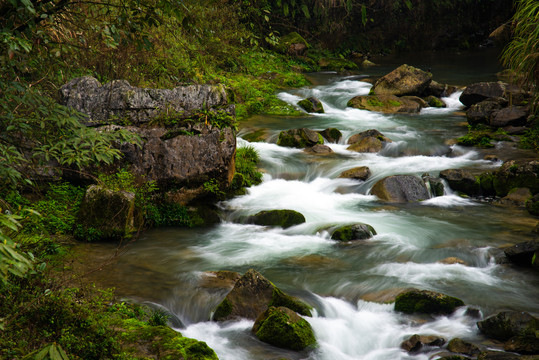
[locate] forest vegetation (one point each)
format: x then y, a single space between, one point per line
163 44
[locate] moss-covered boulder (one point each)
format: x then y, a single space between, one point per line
387 104
353 232
404 80
500 355
299 138
282 327
358 173
253 294
105 215
283 218
508 324
332 135
140 340
401 189
312 105
426 302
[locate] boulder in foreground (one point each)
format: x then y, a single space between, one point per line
284 328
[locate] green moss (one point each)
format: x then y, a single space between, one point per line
285 329
278 298
476 138
394 103
223 310
306 105
375 102
426 302
433 101
486 184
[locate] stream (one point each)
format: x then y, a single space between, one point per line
347 284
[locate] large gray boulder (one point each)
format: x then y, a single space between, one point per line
461 180
404 80
119 100
184 159
401 189
509 116
478 92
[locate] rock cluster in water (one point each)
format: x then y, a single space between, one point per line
276 313
404 90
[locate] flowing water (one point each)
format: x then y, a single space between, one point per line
347 284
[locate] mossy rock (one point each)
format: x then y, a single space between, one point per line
312 105
283 218
523 345
299 138
433 101
282 327
358 173
252 294
140 340
353 232
426 302
404 80
332 135
508 324
105 215
401 189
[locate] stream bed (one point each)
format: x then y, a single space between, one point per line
347 284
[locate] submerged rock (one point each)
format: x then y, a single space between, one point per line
404 80
517 197
282 218
508 324
105 215
252 294
358 173
282 327
426 302
299 138
401 189
312 105
499 355
353 232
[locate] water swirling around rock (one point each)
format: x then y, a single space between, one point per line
342 281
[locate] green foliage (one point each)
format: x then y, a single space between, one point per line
57 210
475 137
247 159
49 352
212 186
162 213
158 317
522 53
